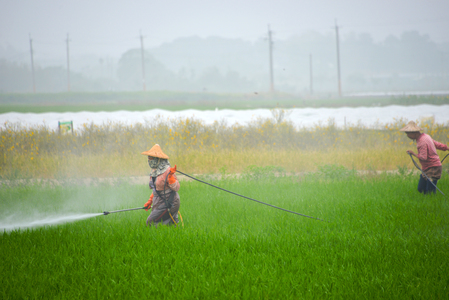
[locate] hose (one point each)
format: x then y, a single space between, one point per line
422 172
444 158
293 212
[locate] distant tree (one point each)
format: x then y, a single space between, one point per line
410 53
15 77
129 72
210 79
358 53
233 82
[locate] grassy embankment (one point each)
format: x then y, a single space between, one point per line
141 101
381 240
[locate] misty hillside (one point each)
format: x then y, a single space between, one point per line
303 65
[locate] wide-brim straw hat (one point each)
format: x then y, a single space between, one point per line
411 127
155 151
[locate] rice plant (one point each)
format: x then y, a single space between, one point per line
380 239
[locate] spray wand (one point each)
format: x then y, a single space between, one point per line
116 211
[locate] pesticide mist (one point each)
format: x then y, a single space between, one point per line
33 206
11 224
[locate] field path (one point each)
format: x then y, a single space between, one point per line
143 180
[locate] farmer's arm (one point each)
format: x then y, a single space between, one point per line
149 202
422 152
440 146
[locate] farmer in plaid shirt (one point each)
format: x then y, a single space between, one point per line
164 201
427 155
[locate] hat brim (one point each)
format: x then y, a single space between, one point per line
411 127
408 129
155 151
152 154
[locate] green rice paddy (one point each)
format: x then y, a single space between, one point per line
381 239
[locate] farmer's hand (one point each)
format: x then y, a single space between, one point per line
171 175
149 202
173 170
411 152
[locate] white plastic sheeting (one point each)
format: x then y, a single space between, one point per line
300 117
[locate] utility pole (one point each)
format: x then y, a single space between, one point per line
270 47
443 65
32 64
338 60
311 75
143 61
68 64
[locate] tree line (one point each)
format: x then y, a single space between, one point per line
302 64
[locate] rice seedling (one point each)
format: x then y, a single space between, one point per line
381 239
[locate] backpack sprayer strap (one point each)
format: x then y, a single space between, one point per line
168 200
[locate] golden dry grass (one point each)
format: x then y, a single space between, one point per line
114 149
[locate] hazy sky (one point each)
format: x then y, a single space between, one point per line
110 27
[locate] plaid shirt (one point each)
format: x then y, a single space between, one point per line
427 153
160 186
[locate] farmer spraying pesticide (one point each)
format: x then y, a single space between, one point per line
431 166
164 201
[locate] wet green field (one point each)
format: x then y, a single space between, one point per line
381 239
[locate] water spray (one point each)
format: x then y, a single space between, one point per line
55 220
10 225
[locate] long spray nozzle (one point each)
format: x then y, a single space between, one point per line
116 211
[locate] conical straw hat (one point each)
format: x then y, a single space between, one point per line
411 127
155 151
